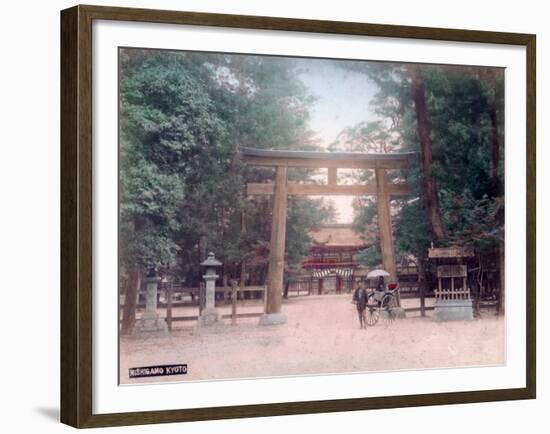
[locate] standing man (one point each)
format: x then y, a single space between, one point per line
360 297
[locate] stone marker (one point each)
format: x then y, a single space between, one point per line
151 321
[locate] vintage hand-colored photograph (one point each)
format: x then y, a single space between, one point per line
283 216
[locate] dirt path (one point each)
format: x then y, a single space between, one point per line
321 336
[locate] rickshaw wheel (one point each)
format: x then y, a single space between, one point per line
371 315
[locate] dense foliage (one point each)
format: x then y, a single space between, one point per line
183 115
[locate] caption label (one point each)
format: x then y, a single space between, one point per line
158 371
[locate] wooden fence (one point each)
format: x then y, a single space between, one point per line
171 296
453 294
233 291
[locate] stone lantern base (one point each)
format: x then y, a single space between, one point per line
272 319
453 310
210 317
150 322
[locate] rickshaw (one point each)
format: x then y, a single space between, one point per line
381 303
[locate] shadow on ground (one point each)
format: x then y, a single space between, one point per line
49 413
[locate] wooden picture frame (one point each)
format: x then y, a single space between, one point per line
76 215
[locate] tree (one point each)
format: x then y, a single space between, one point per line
453 117
429 186
169 138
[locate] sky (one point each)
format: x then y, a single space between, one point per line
342 100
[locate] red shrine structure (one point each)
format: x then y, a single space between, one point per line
332 263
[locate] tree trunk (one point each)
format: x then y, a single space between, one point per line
502 295
203 248
490 78
130 300
495 150
429 186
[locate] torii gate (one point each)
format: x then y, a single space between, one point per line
332 161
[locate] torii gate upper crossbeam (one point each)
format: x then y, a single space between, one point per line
314 159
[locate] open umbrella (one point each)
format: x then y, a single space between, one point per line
377 273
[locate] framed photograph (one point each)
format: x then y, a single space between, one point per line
267 216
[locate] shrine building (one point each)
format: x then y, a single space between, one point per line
332 260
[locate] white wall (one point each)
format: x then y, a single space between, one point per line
29 213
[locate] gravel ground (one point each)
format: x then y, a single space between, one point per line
322 335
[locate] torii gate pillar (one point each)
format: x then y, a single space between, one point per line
384 223
275 274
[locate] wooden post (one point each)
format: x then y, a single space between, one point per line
332 176
242 278
168 295
234 292
277 247
338 284
421 290
421 280
384 223
287 286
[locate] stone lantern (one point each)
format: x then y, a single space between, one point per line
209 315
